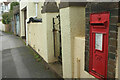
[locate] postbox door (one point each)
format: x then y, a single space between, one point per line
99 32
99 53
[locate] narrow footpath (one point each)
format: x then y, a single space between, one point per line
18 60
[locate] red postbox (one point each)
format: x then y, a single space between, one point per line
99 32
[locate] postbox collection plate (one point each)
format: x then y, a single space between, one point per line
99 32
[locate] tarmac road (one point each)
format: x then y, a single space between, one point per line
18 60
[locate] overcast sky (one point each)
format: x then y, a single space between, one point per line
2 0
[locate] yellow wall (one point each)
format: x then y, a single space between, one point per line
66 40
40 36
79 58
32 10
118 70
72 25
37 39
49 27
22 6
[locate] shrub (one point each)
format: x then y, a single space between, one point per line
6 18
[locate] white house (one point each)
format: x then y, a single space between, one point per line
4 7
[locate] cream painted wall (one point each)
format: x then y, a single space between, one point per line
50 44
72 25
31 12
22 32
66 43
79 58
37 39
118 73
22 6
32 9
40 37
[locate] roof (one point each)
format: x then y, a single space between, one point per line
6 3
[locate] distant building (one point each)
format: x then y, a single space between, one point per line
13 0
4 7
0 12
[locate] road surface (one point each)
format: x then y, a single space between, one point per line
18 60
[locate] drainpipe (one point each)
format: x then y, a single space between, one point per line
36 7
36 4
27 32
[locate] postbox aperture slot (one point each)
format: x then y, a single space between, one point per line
97 24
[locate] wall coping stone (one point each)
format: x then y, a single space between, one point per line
49 7
69 4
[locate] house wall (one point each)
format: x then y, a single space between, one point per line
22 6
31 12
72 25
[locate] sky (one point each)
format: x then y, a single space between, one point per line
2 0
5 0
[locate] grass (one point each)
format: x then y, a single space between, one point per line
36 55
22 40
8 32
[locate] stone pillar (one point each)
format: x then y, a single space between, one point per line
49 11
72 24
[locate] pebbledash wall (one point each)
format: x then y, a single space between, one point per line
113 8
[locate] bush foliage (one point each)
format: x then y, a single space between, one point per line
7 16
13 4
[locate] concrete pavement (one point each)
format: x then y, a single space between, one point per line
18 60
